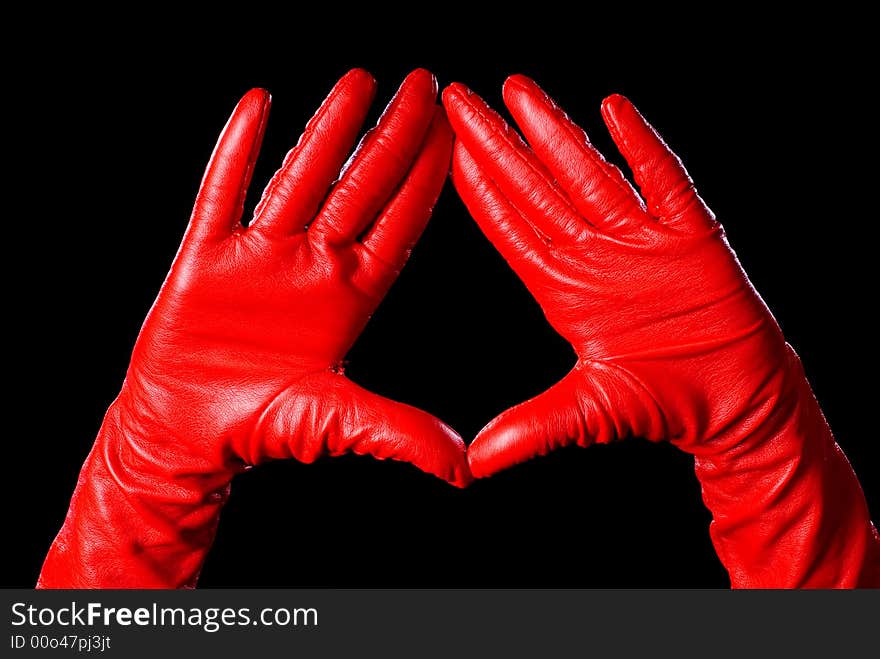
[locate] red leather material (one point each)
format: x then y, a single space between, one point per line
672 341
240 359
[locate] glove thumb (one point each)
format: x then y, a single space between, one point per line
329 414
592 404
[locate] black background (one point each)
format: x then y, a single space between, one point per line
108 140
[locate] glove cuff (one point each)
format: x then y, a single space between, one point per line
139 517
787 508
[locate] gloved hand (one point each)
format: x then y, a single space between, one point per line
672 341
240 359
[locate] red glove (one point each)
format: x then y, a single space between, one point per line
240 359
672 340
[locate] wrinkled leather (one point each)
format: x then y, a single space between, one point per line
672 341
240 358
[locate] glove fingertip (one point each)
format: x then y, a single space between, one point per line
256 96
612 106
358 74
482 455
478 467
519 83
455 93
462 476
422 74
422 82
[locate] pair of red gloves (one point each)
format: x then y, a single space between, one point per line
240 359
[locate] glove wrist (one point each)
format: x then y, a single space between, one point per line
141 515
787 509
